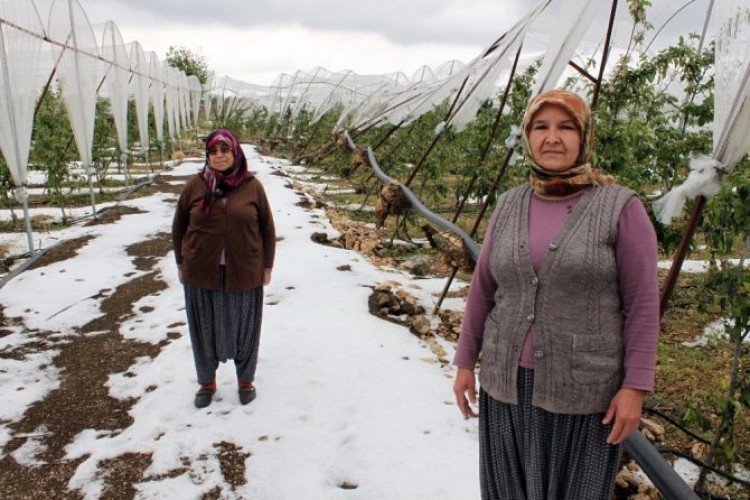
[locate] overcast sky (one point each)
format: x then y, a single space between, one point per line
256 40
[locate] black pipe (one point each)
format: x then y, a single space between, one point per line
667 481
471 246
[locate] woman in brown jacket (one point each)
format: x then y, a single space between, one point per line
224 242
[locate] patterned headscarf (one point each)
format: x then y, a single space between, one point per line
580 175
219 184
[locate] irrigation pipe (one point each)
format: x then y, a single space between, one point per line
24 266
471 246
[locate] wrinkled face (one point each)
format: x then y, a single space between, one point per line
554 138
220 157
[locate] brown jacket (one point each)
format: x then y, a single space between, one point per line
243 228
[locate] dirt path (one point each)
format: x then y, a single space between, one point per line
86 359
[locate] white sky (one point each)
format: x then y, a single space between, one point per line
255 41
343 396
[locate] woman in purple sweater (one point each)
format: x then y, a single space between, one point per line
224 242
562 316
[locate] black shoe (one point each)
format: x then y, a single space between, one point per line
203 397
247 394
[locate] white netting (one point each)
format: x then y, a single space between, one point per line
731 111
395 98
170 94
732 66
183 94
61 50
156 93
85 70
559 31
21 73
195 93
482 83
575 18
140 83
117 80
78 72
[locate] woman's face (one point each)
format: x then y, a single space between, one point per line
554 138
220 157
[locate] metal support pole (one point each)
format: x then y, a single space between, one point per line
21 195
680 254
605 55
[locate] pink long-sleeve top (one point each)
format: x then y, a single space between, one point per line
636 253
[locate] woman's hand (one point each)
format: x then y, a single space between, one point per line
266 276
625 409
465 389
179 274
